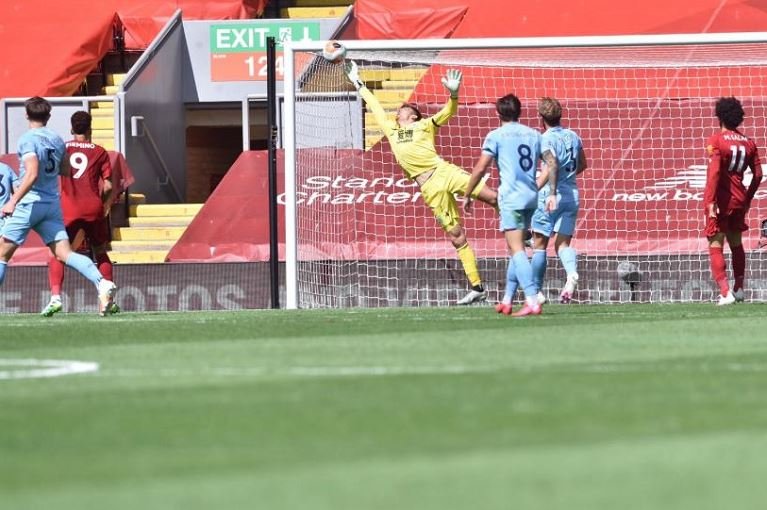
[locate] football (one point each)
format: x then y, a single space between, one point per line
334 52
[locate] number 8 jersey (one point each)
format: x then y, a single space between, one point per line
516 149
81 191
730 154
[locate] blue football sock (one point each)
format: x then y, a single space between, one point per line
539 267
3 266
84 266
525 274
511 283
569 259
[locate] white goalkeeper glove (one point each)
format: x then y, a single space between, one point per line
350 68
452 82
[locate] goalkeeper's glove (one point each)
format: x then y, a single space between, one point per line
350 68
452 82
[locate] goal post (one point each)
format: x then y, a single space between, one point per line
357 233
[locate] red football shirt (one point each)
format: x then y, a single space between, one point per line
81 192
730 154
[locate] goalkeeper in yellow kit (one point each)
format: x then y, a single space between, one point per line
412 141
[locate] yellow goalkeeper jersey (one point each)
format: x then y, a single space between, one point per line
413 145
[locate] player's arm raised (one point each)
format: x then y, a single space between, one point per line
353 74
452 82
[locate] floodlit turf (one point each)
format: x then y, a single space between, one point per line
587 407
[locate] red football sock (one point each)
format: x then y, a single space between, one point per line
55 276
104 265
718 270
738 266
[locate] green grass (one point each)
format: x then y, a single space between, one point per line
587 407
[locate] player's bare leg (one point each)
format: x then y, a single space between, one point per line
85 266
539 262
516 241
734 239
469 263
718 269
569 261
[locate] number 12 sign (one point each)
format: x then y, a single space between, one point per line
238 51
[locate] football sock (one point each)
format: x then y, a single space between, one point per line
55 275
538 264
105 266
3 266
511 283
469 262
738 266
84 266
525 274
718 270
569 258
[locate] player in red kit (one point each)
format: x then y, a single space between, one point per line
85 200
726 199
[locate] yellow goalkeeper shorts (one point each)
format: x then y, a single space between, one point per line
439 193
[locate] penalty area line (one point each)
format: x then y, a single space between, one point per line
43 368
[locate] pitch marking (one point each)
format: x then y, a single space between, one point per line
43 368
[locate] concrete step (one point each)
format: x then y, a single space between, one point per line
138 257
399 84
125 246
393 95
103 123
137 198
165 209
111 90
372 140
102 104
107 143
116 78
372 74
407 73
320 3
147 234
314 12
159 221
103 113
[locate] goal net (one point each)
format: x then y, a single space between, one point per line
359 234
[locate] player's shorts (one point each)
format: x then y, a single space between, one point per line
42 217
733 220
96 232
561 220
439 193
516 219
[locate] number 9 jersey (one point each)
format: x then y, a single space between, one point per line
730 154
81 191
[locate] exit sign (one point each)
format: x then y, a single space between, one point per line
238 50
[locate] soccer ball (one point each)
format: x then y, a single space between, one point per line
334 52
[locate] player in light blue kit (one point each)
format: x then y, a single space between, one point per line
6 187
35 203
567 147
516 150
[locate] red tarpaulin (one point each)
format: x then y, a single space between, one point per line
48 48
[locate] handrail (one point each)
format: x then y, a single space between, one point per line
84 100
148 53
146 132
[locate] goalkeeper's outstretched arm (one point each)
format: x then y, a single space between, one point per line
452 82
372 101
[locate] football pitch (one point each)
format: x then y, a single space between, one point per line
586 407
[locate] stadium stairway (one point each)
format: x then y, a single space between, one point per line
103 112
392 87
306 9
152 231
